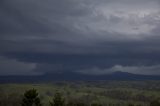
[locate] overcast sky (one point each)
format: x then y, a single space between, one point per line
84 36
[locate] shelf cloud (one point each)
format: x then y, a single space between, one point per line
71 35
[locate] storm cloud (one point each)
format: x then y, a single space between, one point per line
87 36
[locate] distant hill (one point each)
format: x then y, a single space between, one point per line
72 76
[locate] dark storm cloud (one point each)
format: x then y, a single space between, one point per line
79 35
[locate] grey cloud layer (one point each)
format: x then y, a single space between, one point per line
107 32
144 70
14 67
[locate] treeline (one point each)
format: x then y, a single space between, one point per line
32 98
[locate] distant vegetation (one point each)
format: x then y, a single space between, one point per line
103 93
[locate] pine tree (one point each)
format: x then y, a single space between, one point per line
58 100
31 98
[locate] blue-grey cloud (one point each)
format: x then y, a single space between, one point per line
79 34
14 67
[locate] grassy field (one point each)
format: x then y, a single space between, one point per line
104 92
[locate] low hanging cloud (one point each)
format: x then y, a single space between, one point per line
14 67
144 70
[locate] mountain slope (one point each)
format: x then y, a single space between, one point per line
72 76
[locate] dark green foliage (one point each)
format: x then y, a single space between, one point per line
58 100
77 104
138 105
71 104
96 104
130 104
80 104
31 98
155 103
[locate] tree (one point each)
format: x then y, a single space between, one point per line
58 100
31 98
